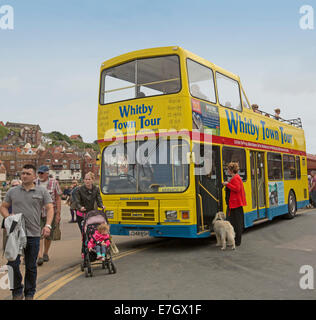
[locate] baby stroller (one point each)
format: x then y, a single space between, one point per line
90 224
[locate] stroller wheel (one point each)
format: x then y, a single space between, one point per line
88 272
113 267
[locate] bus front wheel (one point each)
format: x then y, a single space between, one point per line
291 206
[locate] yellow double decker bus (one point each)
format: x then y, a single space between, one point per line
169 122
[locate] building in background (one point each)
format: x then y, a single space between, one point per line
25 144
30 133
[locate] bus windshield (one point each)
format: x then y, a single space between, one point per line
145 167
140 78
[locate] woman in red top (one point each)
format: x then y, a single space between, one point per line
237 200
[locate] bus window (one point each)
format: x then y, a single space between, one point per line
298 167
228 92
117 86
274 166
289 167
145 167
234 155
201 81
140 78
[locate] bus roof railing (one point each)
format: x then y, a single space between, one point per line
294 122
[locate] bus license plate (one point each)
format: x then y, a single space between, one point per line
138 233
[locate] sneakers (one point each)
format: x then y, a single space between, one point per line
99 257
103 257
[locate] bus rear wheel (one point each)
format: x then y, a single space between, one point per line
291 206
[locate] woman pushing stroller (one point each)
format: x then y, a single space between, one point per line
88 198
100 241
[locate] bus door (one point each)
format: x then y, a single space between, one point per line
258 183
209 191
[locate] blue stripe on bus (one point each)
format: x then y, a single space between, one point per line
302 204
272 212
160 230
190 231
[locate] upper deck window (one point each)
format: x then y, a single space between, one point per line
141 78
201 81
228 92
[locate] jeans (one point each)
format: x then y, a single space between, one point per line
30 257
100 250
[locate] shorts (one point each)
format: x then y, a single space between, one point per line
43 223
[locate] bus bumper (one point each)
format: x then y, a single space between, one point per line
158 231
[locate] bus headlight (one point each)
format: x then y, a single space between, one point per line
171 214
109 214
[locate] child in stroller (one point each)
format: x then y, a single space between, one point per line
100 241
92 221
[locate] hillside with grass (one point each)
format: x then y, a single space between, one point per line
3 132
58 137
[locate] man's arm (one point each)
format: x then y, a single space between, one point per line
49 219
4 209
48 205
6 204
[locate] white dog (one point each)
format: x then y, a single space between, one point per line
223 230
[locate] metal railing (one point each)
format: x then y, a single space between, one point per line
294 122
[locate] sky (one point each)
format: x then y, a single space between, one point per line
50 61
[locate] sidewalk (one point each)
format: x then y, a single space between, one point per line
66 253
63 254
